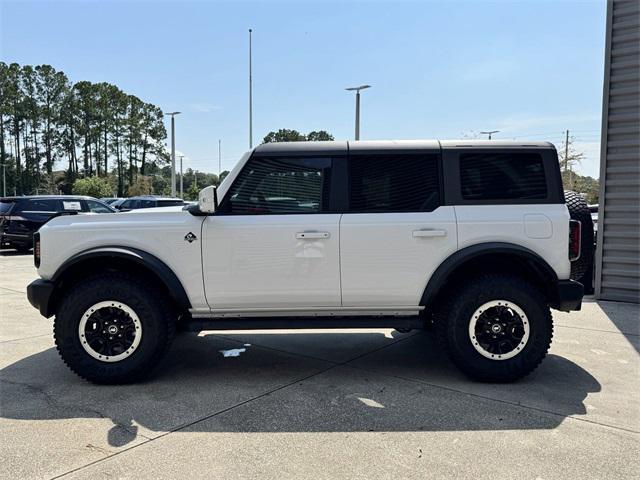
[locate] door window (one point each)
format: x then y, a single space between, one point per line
280 186
393 183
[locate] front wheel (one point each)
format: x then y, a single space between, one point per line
496 328
112 328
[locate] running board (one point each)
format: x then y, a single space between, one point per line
264 312
298 322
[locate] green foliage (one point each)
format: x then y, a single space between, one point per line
287 135
587 185
141 186
93 187
86 128
223 175
192 193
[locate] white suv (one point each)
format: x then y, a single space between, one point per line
474 238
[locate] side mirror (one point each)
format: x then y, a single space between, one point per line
208 200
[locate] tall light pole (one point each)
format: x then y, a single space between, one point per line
181 183
357 90
173 152
219 159
250 94
490 133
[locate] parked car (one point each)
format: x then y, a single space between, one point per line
148 201
474 236
110 200
20 217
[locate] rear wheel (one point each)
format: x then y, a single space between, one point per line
112 328
496 328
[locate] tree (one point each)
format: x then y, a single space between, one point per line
286 135
320 136
569 159
92 187
223 175
142 186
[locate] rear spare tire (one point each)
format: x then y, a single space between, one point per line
578 210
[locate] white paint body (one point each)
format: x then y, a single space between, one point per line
355 264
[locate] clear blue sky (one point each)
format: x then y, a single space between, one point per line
438 69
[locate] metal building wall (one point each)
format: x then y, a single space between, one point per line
618 251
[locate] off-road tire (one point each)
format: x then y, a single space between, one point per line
149 304
452 327
578 210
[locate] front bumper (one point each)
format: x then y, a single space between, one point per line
568 295
39 294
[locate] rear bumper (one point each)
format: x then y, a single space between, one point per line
39 295
568 295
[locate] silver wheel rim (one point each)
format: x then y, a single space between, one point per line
508 327
88 324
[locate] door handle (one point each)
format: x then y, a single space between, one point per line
312 235
429 233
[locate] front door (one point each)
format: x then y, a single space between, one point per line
274 243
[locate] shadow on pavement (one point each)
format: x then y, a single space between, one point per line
625 317
196 388
14 253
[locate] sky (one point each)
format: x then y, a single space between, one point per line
438 70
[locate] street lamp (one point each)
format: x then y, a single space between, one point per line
490 133
181 184
173 152
357 90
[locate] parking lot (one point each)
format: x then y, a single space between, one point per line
323 404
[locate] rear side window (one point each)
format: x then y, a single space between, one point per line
502 176
393 183
38 205
281 186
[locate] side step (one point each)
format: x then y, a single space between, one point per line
287 323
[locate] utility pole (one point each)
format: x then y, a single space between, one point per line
181 176
490 133
173 152
357 90
566 151
250 94
219 159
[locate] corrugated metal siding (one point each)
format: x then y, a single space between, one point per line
618 254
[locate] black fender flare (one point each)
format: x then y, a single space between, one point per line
459 258
140 257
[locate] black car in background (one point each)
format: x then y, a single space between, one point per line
21 217
148 201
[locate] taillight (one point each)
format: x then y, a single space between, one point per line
575 239
36 249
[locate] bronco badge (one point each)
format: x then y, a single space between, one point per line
190 237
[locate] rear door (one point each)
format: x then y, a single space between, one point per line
395 232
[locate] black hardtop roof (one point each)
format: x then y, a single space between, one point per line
371 146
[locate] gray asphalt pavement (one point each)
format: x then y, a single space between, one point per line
320 404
